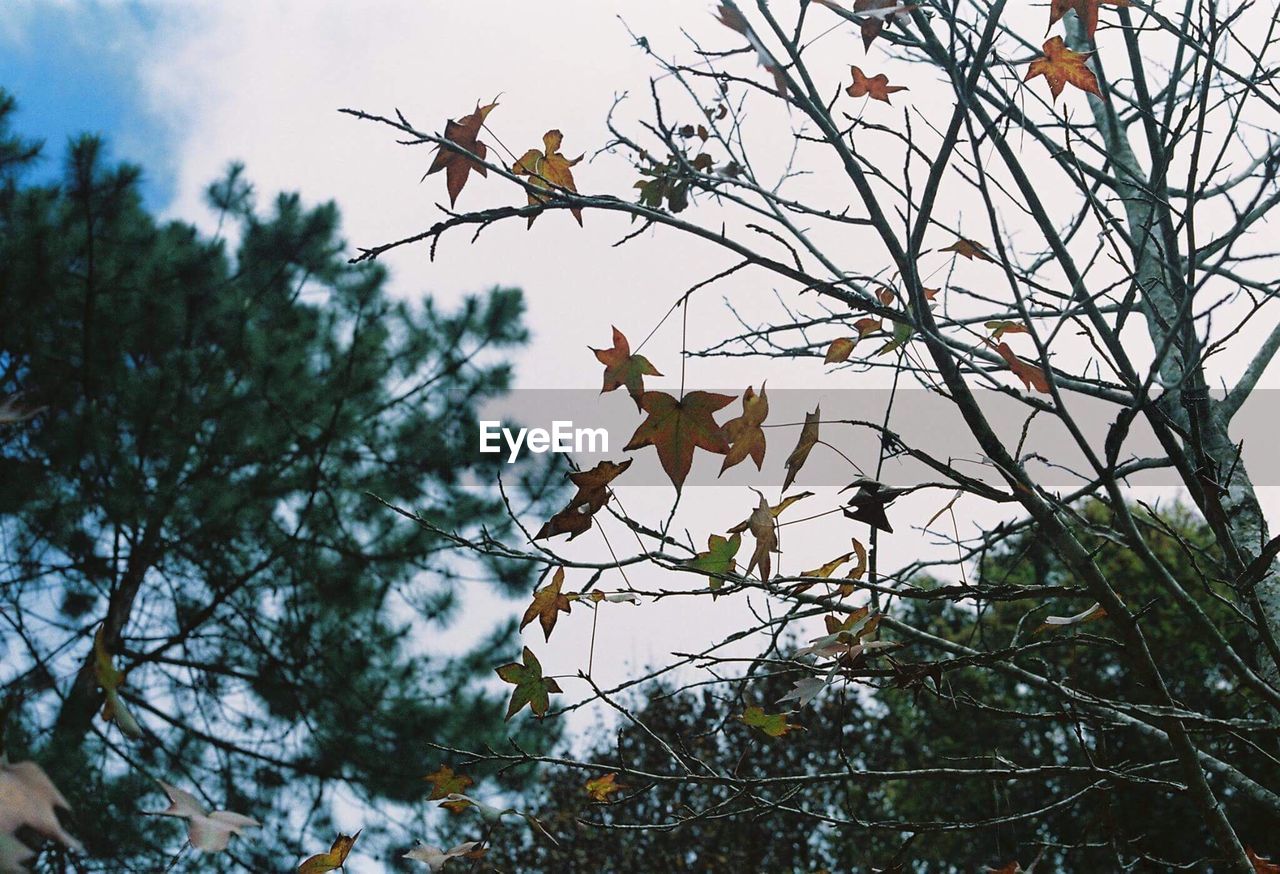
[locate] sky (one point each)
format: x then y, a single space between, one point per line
185 88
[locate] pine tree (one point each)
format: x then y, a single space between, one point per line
216 419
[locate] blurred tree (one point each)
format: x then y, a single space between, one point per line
947 714
216 416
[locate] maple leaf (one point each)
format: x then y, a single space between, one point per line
592 495
999 328
844 639
876 87
1031 376
808 437
436 858
600 788
840 350
1260 864
968 249
765 530
548 604
29 799
745 436
1060 66
445 782
530 686
207 831
773 724
869 503
623 368
805 690
548 170
1086 10
718 559
676 427
878 13
334 859
1093 614
458 166
110 680
731 17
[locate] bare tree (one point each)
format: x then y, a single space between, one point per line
1143 190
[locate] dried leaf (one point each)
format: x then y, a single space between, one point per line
968 249
745 436
600 788
676 427
876 87
332 860
1087 10
548 604
808 438
1062 66
840 350
548 170
458 166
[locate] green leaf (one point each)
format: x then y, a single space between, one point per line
718 559
772 724
531 687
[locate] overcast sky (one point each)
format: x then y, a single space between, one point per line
185 88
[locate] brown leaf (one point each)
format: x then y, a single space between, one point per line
968 249
840 350
456 165
548 603
745 436
876 87
1031 376
808 438
764 528
675 427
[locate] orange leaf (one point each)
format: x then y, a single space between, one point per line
676 427
456 165
876 87
1031 376
548 170
840 350
1060 65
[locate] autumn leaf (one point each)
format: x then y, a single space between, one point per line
764 528
592 494
1260 864
808 438
1087 10
623 368
731 17
876 87
871 15
869 503
110 680
445 782
676 427
530 686
999 328
867 326
1060 66
745 436
773 724
1093 614
548 170
1031 376
548 604
28 799
840 350
436 858
844 638
968 249
718 559
458 166
805 690
334 859
600 788
207 831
